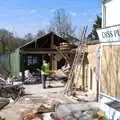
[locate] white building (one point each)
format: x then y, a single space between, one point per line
110 12
109 37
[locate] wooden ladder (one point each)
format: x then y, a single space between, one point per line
79 57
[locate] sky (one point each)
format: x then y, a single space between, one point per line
29 16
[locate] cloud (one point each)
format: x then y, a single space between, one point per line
33 11
52 10
91 20
73 13
79 14
83 13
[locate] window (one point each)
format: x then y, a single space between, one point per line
32 60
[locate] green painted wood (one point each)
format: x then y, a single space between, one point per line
15 63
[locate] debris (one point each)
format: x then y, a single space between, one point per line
42 113
27 99
11 100
32 116
83 111
43 109
11 91
101 115
59 74
47 116
9 80
2 118
3 102
73 94
49 86
82 100
66 69
2 82
28 77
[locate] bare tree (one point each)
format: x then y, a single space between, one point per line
40 33
61 23
29 37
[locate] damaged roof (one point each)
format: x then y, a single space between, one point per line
44 36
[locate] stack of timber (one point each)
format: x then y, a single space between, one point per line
66 46
61 73
77 64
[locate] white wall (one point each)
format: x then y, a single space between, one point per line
111 13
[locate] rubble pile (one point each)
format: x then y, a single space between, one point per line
2 82
61 73
11 91
32 116
40 114
2 118
3 102
29 78
83 111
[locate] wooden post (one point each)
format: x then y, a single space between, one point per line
83 76
52 56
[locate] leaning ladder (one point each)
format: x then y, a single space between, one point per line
79 57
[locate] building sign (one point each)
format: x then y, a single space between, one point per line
109 34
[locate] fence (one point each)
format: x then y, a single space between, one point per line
10 63
5 64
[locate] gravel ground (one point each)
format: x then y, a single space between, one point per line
34 98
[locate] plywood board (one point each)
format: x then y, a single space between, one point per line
110 70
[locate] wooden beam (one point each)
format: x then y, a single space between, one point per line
39 49
43 52
38 52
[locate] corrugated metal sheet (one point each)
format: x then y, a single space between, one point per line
4 61
10 63
5 64
15 63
